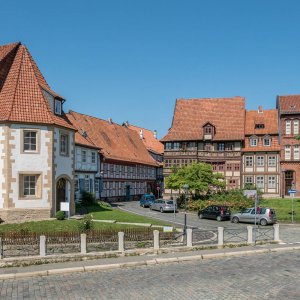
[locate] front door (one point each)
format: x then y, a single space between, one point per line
60 192
128 192
289 179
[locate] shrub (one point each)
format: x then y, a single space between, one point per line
60 215
87 199
86 223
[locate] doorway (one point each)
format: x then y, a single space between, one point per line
289 181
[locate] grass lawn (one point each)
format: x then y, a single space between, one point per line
283 208
98 211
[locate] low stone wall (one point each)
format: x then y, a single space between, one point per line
22 215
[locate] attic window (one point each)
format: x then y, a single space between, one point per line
259 126
58 107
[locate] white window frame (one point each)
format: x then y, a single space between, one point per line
260 182
272 182
29 140
58 107
30 186
64 144
249 161
260 161
296 126
93 157
288 129
247 181
83 156
287 152
296 152
272 160
253 141
267 141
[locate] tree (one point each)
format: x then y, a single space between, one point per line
199 177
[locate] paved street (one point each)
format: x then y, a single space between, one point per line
288 233
260 276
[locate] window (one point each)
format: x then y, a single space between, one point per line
253 141
272 161
260 161
229 146
287 152
64 144
296 152
236 167
228 167
259 126
260 182
271 182
176 145
287 127
30 186
87 183
58 107
93 157
83 156
248 180
267 141
168 146
221 147
296 126
249 161
208 130
29 141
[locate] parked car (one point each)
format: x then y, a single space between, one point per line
163 205
215 212
146 200
264 216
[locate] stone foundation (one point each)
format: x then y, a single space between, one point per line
24 215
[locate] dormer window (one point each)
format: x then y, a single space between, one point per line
208 131
253 141
57 107
267 141
259 126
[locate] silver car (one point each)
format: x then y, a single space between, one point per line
163 205
264 216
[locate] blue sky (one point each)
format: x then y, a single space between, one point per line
131 59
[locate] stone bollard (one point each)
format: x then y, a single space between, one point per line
121 241
276 232
220 236
83 243
189 237
156 239
42 245
250 234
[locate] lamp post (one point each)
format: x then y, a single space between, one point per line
185 188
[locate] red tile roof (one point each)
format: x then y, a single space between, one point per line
226 114
269 118
21 89
116 142
288 104
149 140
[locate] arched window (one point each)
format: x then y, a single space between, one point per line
253 141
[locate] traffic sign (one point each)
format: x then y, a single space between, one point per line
292 191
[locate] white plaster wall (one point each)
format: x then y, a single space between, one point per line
2 155
63 164
88 165
29 162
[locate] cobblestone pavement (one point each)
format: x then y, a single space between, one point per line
260 276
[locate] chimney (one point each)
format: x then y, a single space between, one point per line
110 121
155 133
260 109
141 134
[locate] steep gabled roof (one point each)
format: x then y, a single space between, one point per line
116 142
21 89
190 115
149 140
267 117
288 104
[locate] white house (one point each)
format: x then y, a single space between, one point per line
36 141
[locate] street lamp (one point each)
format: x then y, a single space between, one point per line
185 188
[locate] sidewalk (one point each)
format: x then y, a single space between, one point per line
140 260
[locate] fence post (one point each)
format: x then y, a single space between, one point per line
276 232
83 243
1 248
121 241
42 245
220 236
189 237
156 239
250 234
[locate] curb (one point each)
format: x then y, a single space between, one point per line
156 261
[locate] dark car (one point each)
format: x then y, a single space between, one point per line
215 212
146 200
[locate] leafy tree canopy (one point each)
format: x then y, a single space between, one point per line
198 176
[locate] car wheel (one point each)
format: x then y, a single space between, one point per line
200 216
219 218
161 210
263 222
235 220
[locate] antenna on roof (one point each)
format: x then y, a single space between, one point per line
260 109
155 133
110 121
141 134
